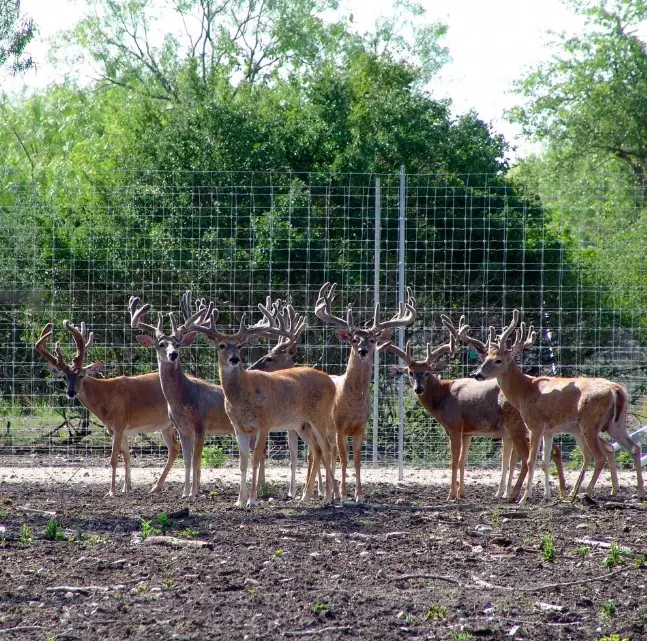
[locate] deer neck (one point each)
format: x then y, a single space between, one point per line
175 384
514 384
233 381
434 393
90 393
358 374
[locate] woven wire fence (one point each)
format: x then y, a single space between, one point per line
473 245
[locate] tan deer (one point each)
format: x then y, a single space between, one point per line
258 402
552 403
352 406
196 407
548 445
465 408
126 405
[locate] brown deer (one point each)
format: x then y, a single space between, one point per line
465 409
548 445
552 403
352 405
125 405
195 406
258 402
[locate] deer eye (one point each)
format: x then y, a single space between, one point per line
371 341
411 374
498 361
239 346
222 346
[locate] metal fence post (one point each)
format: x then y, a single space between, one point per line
376 299
401 232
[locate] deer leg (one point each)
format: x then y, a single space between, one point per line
259 453
293 445
186 439
586 459
198 445
595 447
506 459
609 452
125 452
618 431
343 459
455 442
117 435
535 437
548 448
173 447
556 455
358 439
462 460
243 441
519 439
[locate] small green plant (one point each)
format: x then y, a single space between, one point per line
80 534
639 561
278 553
25 536
164 522
583 550
548 548
188 533
7 501
624 460
147 529
251 591
436 612
495 518
54 530
613 637
213 456
608 609
142 588
576 458
168 582
615 557
320 608
462 636
2 515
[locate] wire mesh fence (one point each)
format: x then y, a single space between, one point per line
474 245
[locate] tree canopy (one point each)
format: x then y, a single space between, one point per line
16 32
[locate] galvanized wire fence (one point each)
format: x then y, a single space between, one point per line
473 245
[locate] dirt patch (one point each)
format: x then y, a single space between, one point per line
393 568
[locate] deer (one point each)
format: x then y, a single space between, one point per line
351 408
258 402
464 408
553 403
125 405
196 407
548 445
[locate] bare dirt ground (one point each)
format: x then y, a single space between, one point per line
404 565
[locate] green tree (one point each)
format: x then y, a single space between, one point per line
16 32
588 101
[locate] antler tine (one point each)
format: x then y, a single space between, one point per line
447 348
520 343
79 341
405 315
89 340
204 319
323 308
508 330
405 355
294 326
45 334
137 313
464 337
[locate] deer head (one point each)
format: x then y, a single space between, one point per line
363 341
418 372
281 356
230 346
73 371
499 354
165 345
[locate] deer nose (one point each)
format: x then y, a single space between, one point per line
363 351
71 393
234 360
419 389
478 376
173 356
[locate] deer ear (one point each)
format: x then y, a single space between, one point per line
251 339
384 336
342 334
292 350
187 339
144 340
54 370
394 370
93 368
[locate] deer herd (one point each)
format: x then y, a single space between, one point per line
499 401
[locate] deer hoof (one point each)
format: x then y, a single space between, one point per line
252 502
111 495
